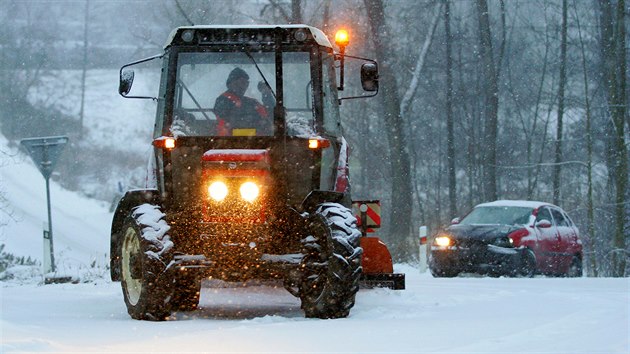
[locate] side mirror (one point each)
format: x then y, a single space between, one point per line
369 76
126 80
455 221
543 224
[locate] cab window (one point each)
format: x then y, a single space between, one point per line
332 122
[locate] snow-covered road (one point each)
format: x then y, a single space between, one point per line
460 315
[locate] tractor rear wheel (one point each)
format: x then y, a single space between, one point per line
331 266
145 252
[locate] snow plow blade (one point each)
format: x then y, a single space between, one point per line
378 269
395 281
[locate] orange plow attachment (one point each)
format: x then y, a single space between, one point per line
378 268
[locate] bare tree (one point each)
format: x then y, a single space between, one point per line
615 61
399 156
563 78
85 64
590 230
492 102
450 154
295 14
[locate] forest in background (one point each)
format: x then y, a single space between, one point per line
479 100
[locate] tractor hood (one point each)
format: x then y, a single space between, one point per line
480 232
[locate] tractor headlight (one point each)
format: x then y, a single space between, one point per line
249 191
218 190
443 241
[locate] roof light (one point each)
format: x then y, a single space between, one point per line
300 35
341 38
188 36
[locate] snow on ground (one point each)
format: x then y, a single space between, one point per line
460 315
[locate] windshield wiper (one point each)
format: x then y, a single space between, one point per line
261 73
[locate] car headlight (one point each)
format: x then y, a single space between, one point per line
249 191
443 241
503 242
218 190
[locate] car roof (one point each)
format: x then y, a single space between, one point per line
515 203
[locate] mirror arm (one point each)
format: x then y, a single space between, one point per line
354 97
157 56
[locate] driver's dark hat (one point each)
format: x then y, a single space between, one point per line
237 73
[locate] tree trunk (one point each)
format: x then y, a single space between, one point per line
492 103
614 61
619 116
590 228
563 78
84 71
450 139
296 11
400 213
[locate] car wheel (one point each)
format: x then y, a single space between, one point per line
528 264
443 272
575 269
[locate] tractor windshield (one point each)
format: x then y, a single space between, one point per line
233 94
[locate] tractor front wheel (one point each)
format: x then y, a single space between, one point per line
331 266
144 255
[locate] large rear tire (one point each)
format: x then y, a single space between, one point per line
146 250
331 266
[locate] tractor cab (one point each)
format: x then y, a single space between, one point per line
265 87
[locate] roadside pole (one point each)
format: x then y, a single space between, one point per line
422 250
45 152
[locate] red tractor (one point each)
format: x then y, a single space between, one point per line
245 183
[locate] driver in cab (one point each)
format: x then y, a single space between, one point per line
239 115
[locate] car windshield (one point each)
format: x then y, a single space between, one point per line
503 215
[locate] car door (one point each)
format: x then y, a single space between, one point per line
548 241
566 238
575 244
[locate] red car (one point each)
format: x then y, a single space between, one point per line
508 237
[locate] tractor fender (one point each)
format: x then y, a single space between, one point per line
131 199
376 257
317 197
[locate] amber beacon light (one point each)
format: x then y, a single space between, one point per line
341 38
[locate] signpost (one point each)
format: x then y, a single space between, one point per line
45 152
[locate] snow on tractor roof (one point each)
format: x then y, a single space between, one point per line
317 34
514 203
